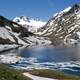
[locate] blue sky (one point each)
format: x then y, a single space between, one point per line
42 9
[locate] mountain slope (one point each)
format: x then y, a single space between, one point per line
64 27
14 33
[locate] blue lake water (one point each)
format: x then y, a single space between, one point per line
65 59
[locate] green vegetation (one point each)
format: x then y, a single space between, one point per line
7 73
54 74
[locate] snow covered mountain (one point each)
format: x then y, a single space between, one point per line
63 27
13 35
31 24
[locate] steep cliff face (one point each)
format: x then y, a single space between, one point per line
64 27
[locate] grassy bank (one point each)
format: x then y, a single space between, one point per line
7 73
54 74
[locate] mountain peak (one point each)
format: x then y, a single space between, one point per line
31 23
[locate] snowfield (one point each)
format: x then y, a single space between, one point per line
30 23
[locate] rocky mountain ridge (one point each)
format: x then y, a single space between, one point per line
64 27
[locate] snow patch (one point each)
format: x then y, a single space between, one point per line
9 58
33 77
65 10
